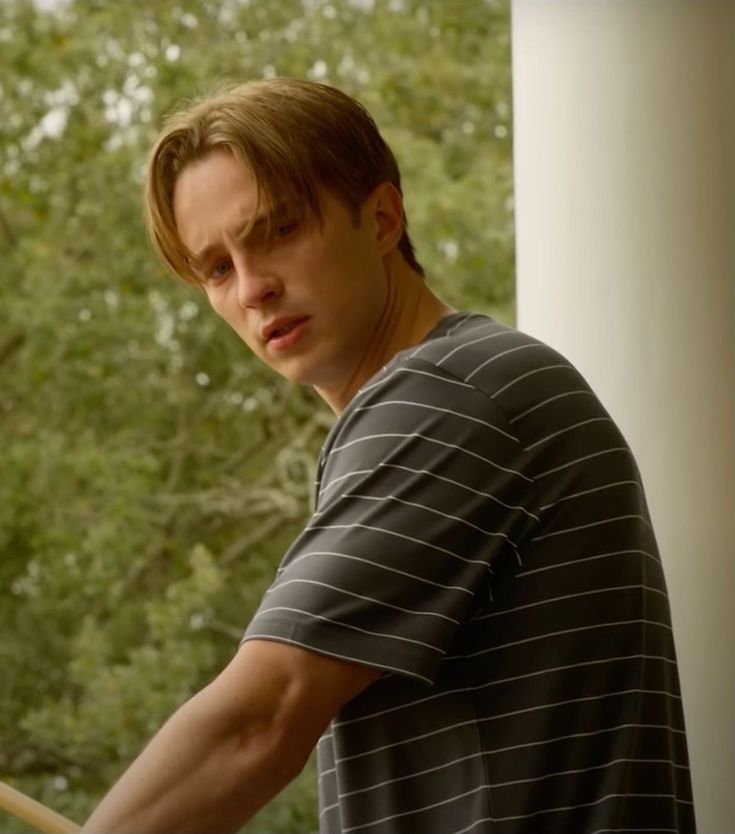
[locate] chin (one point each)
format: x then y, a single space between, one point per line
309 370
295 374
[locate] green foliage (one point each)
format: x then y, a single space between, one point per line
152 471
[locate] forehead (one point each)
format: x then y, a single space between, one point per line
213 195
218 196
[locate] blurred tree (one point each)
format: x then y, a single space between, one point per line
152 472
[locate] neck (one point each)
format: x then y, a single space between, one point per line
411 311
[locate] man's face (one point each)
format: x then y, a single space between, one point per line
308 301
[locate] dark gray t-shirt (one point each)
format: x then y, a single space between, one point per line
481 534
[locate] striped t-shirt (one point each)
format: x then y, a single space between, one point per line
481 534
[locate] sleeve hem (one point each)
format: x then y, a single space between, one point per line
326 639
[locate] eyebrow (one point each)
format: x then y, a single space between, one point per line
246 229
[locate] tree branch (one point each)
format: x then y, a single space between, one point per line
8 230
11 346
239 547
226 630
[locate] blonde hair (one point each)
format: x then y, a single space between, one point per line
294 136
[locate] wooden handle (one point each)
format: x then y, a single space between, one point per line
38 815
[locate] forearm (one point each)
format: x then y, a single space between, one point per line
199 773
233 746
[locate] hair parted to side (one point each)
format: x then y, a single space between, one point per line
295 137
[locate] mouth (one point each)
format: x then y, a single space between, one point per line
283 333
275 333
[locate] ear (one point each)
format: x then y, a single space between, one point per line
386 206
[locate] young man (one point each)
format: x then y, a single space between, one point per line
474 626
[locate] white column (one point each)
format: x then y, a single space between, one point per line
625 211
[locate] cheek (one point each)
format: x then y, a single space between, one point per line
224 303
218 302
211 298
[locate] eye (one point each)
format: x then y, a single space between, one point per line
287 228
219 271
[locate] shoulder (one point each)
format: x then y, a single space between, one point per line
469 366
417 418
421 393
439 370
492 356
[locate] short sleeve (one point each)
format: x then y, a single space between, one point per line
421 492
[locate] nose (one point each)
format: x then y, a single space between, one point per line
255 286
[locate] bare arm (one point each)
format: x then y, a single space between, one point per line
234 745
